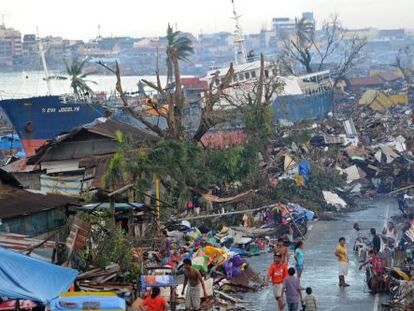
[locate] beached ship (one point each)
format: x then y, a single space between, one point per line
38 119
308 96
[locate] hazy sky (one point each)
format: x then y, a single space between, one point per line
79 18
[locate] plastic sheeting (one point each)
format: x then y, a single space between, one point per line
22 277
305 169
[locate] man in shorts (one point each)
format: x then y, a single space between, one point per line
283 250
343 261
277 273
194 278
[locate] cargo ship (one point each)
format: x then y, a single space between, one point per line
38 119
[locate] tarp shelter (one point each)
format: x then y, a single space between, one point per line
22 277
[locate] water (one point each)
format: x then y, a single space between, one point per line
321 265
31 83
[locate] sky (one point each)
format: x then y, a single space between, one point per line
79 19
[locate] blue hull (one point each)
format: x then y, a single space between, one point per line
299 107
39 119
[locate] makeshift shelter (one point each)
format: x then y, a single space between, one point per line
22 277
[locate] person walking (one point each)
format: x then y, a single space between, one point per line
194 278
343 261
282 250
376 241
291 287
299 258
309 302
277 273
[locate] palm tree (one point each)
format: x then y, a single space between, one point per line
181 45
78 83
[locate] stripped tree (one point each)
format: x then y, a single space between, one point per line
183 166
172 97
404 62
312 50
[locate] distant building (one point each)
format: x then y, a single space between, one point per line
308 16
10 45
30 47
391 34
283 26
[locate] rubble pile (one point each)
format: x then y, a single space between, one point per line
370 148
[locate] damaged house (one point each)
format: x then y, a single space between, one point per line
74 163
28 212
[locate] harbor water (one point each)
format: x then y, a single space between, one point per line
31 83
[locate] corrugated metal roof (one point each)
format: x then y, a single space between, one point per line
389 76
102 127
365 81
20 242
223 139
109 127
195 83
15 202
20 166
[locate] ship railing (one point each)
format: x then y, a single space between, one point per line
319 88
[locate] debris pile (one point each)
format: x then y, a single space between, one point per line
369 145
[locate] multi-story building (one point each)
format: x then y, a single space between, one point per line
283 26
10 46
30 47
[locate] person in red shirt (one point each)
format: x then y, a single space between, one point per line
154 302
277 273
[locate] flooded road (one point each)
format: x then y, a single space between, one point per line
321 270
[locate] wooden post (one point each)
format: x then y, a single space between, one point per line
157 197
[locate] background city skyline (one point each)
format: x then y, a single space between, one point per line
80 19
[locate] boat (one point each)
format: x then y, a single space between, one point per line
307 96
39 119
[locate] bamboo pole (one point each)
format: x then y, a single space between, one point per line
228 213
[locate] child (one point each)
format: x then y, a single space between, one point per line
293 293
299 258
309 303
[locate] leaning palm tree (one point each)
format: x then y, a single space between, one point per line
78 82
179 44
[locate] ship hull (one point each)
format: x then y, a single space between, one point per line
39 119
294 108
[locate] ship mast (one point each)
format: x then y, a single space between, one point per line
42 55
240 55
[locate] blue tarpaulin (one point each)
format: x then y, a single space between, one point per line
23 277
304 169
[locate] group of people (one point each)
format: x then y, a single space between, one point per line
371 247
285 283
